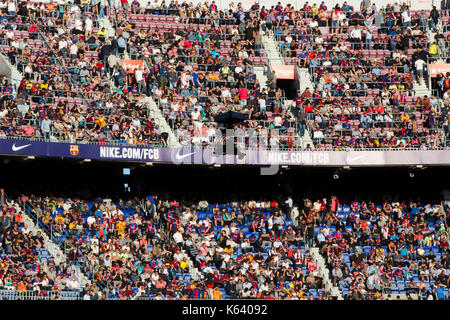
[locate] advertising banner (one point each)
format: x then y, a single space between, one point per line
435 68
190 155
284 71
131 65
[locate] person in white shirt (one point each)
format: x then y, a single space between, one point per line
73 284
274 142
313 24
288 39
406 17
419 69
73 51
277 121
139 75
62 44
368 37
185 79
355 37
318 134
262 104
11 8
319 39
226 94
90 220
88 26
78 26
178 237
197 119
136 123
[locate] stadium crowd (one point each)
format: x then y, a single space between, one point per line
25 264
74 87
393 247
149 248
156 248
363 65
199 62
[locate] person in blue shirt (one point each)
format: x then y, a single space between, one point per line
4 19
195 78
215 53
313 63
122 45
185 92
278 31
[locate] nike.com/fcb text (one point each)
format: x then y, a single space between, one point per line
129 153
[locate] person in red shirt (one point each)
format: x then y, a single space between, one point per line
243 93
307 93
125 5
379 108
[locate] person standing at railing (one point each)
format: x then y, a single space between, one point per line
406 19
46 127
355 38
379 20
368 38
11 8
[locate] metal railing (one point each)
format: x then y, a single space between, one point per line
11 294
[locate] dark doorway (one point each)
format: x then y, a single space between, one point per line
289 87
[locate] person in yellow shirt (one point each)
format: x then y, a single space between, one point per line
217 295
184 263
214 76
28 84
47 218
101 33
404 116
315 9
71 226
228 250
120 227
59 219
100 123
376 142
433 51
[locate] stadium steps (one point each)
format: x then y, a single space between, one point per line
156 114
106 23
260 72
271 49
307 139
305 79
323 270
421 89
14 76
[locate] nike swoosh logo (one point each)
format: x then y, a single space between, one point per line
355 158
179 156
14 148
